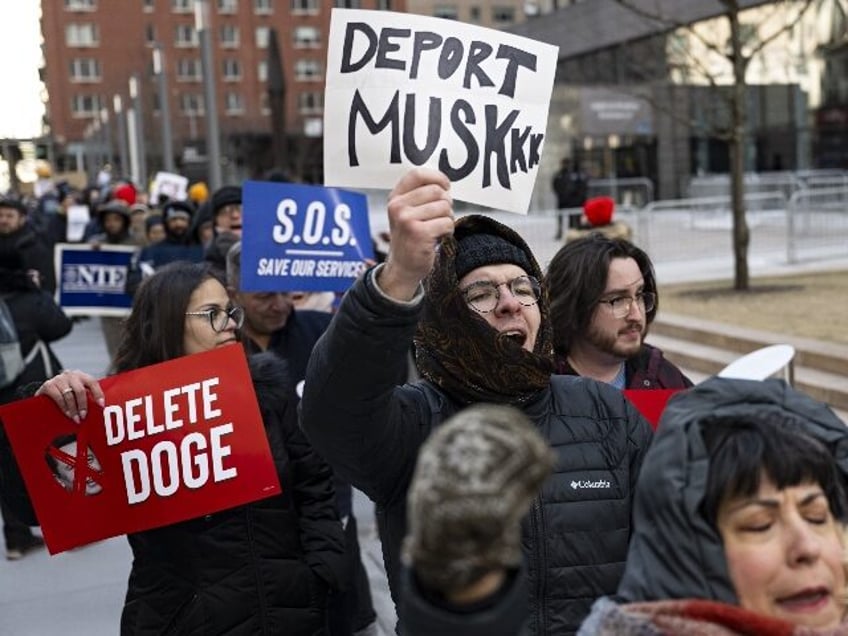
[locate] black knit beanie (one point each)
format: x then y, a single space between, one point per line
479 250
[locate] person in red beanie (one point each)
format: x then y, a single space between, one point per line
126 192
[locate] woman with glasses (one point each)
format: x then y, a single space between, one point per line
262 568
603 300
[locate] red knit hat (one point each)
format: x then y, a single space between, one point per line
598 210
125 192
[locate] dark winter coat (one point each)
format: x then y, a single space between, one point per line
674 553
648 369
503 613
35 252
263 568
39 321
370 430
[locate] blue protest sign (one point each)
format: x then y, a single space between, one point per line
92 281
302 238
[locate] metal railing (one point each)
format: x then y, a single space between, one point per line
811 223
817 222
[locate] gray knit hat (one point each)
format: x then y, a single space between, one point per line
478 250
475 479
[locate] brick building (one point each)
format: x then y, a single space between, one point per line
92 47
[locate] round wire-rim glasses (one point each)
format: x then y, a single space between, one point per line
483 296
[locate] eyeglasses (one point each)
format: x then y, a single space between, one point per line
484 296
220 318
621 305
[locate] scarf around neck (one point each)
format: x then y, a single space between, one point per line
458 351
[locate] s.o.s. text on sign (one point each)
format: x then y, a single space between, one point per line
302 238
405 90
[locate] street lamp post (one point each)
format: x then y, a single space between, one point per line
140 177
164 108
213 148
106 127
120 120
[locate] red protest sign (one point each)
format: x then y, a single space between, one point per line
650 402
175 441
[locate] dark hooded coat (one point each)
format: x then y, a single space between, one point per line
575 537
675 553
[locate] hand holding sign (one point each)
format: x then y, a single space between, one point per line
420 213
68 391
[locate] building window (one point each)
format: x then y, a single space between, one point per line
384 5
149 33
189 70
306 37
148 6
232 70
85 105
262 7
80 5
304 6
182 6
347 4
82 35
307 70
233 104
227 6
191 104
264 103
185 35
85 69
503 15
310 103
229 36
263 34
262 71
445 11
474 13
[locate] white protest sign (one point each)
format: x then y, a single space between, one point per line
78 218
173 186
405 90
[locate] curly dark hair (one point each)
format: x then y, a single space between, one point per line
576 279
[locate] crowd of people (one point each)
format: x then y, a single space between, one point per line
517 489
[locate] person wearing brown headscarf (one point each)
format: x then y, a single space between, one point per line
468 292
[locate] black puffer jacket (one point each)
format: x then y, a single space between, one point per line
675 553
576 536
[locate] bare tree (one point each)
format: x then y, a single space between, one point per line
739 49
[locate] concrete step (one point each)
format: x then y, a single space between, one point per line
699 361
815 354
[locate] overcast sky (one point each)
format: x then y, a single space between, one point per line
20 55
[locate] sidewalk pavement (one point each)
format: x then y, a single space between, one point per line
81 592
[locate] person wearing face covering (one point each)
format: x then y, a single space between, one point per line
468 293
